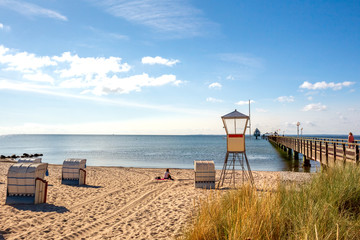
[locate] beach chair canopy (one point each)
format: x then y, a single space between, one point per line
204 166
29 160
22 176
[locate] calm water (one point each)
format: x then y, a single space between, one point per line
146 151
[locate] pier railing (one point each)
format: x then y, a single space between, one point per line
324 150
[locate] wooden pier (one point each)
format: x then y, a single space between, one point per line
327 151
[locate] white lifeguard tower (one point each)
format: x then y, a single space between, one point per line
235 124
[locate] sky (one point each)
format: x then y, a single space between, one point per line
177 66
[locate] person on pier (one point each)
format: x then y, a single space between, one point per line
351 140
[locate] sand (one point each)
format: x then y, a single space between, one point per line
116 203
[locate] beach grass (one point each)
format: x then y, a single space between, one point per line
327 207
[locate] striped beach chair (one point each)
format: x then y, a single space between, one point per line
26 184
204 174
73 171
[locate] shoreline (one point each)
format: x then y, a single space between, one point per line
117 202
163 168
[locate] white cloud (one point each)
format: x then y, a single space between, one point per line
310 98
215 85
3 50
29 9
309 123
23 86
285 99
261 110
159 60
103 34
325 85
90 66
4 27
230 77
214 100
118 36
75 83
292 124
23 61
179 125
129 84
99 76
174 17
39 77
178 82
241 59
51 90
314 107
244 102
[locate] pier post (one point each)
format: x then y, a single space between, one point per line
306 162
327 153
307 147
320 152
289 151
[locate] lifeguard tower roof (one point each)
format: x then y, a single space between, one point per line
235 114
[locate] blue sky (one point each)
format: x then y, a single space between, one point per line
177 66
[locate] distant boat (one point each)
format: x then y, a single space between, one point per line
257 133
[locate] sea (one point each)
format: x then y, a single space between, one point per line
150 151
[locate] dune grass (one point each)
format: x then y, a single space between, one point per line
328 207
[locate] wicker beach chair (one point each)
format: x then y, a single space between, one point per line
26 184
204 174
73 171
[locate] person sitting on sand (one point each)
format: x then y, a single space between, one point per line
167 175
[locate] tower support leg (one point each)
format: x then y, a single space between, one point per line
223 171
230 165
249 170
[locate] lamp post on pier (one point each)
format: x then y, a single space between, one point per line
298 124
301 131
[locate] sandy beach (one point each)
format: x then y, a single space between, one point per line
116 203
